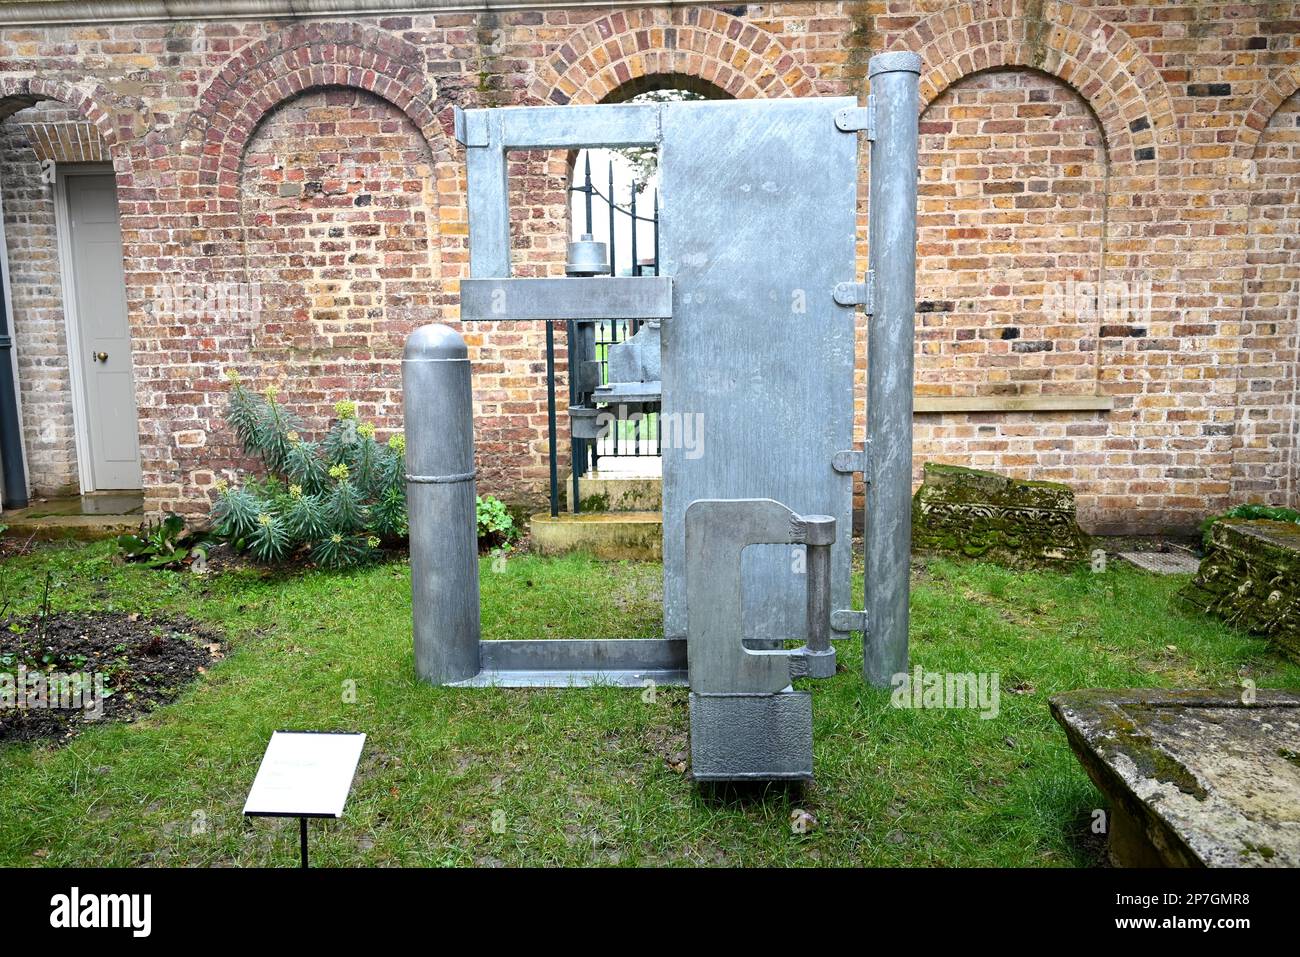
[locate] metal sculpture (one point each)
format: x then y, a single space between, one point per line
755 326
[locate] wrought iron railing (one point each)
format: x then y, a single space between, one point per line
637 436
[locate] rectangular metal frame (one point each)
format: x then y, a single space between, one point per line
768 226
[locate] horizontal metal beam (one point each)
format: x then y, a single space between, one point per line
560 654
561 127
598 297
579 662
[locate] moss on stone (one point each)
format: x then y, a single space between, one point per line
1250 577
965 511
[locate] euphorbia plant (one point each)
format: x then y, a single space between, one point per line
338 498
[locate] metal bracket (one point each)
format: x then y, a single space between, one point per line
858 119
857 293
846 619
441 479
812 664
470 128
849 461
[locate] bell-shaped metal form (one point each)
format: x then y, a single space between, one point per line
587 258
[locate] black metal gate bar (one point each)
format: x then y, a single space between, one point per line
550 419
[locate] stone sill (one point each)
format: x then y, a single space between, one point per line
926 404
49 12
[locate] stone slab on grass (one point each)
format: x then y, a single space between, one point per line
961 511
1176 562
1194 778
1250 578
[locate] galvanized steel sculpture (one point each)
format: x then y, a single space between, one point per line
755 324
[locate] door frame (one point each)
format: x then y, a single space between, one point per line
71 318
7 283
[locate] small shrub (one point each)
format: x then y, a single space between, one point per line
1250 511
163 544
495 526
336 499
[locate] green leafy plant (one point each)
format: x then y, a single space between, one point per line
1250 511
335 500
495 526
163 544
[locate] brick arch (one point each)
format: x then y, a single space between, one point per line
18 94
1279 89
742 59
1099 60
304 57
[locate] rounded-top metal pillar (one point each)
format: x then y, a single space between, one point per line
894 78
440 503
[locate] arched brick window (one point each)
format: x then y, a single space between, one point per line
1012 214
1265 452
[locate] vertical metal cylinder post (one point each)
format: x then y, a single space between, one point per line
819 536
891 211
440 503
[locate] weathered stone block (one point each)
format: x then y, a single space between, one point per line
978 514
1194 778
1250 578
614 536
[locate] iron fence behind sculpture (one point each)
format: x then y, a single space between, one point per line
636 435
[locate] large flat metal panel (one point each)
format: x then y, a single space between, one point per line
758 218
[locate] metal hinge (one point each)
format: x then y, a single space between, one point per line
856 119
846 619
849 461
858 293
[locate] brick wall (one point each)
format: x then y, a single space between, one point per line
338 220
1265 463
1070 151
46 131
1012 203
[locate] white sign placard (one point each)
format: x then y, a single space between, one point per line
305 774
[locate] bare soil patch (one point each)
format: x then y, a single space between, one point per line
138 661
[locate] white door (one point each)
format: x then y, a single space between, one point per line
102 336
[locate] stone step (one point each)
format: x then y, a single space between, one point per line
87 517
610 535
79 527
614 492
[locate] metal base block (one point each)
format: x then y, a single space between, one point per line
751 737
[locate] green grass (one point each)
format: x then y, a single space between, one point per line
585 776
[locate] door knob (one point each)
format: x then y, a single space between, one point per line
100 356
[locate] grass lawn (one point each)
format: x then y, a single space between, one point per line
587 776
